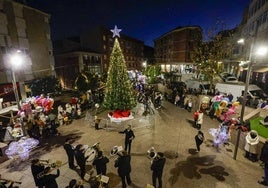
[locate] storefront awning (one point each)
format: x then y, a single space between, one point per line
260 69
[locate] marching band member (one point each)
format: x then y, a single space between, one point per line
157 168
129 136
100 163
50 179
81 159
124 168
70 153
36 168
75 184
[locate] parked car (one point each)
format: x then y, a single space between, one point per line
231 79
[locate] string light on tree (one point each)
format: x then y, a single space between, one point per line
119 94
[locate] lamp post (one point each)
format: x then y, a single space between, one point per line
252 57
15 60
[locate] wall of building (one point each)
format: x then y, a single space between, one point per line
26 29
173 49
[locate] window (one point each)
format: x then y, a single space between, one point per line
46 20
3 50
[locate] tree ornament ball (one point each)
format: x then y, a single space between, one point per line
97 105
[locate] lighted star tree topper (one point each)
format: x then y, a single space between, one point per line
119 94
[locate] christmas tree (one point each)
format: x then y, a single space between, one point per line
119 94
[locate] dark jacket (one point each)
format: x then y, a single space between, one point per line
80 158
129 134
158 166
123 165
199 138
50 180
100 164
36 169
264 153
69 149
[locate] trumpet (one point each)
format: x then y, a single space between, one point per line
52 166
44 162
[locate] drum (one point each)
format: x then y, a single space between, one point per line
91 153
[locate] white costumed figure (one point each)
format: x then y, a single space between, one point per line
251 146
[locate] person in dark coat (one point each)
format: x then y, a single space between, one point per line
70 152
157 168
75 184
37 168
100 163
81 159
129 137
264 159
122 163
199 138
50 179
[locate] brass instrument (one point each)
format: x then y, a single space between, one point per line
116 150
91 152
52 166
44 162
151 154
12 181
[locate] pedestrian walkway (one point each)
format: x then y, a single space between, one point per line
169 131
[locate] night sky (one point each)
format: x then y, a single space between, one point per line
141 19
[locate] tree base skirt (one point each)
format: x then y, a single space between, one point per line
119 116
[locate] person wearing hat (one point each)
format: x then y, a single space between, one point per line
264 159
251 146
157 168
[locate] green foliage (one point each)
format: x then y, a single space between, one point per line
81 82
86 81
208 56
151 72
45 85
119 94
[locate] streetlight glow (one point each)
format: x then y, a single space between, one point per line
16 60
261 51
241 41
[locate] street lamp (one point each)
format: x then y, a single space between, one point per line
16 61
261 51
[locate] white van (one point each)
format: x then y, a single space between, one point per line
237 90
195 84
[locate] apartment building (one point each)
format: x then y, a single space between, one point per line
101 40
26 29
173 49
255 32
71 59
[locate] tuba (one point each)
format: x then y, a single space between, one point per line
92 152
116 150
151 153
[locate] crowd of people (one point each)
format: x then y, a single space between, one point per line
41 124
